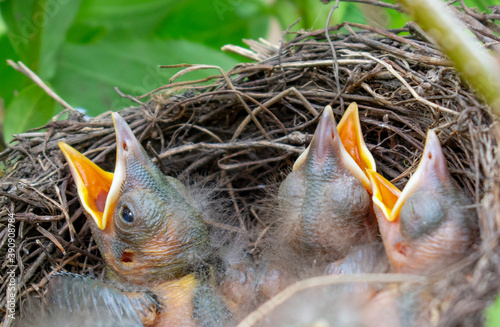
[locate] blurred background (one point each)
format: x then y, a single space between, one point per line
83 49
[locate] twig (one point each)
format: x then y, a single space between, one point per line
377 4
241 165
52 238
244 52
191 68
326 62
447 30
405 83
280 50
272 101
229 146
127 96
20 67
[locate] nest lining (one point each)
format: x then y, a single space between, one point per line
243 131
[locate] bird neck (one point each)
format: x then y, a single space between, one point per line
177 299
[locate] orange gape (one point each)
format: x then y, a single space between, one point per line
348 137
385 195
352 138
92 182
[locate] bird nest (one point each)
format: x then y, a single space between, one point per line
243 130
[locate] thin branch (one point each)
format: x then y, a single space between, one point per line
229 146
20 67
405 83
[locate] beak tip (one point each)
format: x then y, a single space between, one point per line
63 146
122 129
327 115
433 151
117 119
115 116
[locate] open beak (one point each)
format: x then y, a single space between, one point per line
327 137
92 182
352 138
99 190
432 167
385 195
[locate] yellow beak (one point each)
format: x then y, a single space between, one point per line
350 133
385 195
92 182
432 169
99 190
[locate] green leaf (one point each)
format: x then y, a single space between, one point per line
493 314
354 13
60 15
31 108
88 73
314 14
83 33
286 13
23 34
11 81
3 27
125 17
396 19
36 29
482 5
215 23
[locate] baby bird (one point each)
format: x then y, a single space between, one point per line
149 233
324 202
324 206
430 224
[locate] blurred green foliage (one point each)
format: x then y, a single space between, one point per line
493 314
82 49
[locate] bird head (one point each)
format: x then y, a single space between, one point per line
429 220
144 223
325 198
343 144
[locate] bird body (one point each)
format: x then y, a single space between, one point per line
324 203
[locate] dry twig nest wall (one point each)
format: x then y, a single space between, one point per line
244 130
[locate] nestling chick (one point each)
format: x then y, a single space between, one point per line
430 224
324 202
149 232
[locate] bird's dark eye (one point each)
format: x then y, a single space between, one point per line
127 215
